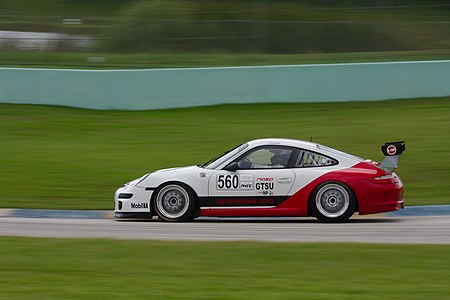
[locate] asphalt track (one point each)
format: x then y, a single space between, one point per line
411 230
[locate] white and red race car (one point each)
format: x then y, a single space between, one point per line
268 178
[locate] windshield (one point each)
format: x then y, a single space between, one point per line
217 161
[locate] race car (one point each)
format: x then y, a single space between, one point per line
269 178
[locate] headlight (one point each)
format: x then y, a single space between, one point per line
142 179
136 181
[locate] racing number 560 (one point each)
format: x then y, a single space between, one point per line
228 181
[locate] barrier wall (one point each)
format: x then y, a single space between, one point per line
168 88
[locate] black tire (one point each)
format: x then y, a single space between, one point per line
174 202
332 202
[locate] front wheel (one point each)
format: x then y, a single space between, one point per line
332 202
175 202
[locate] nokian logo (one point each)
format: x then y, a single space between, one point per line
139 205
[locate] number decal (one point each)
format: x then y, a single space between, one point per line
235 181
220 182
227 182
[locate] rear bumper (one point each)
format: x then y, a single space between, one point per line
380 198
382 207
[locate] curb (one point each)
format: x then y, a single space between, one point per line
427 210
409 211
5 212
56 213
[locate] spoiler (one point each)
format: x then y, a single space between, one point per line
392 152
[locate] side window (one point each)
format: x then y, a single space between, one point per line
312 159
269 157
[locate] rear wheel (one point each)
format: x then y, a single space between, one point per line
175 202
332 202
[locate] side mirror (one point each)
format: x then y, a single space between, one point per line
232 167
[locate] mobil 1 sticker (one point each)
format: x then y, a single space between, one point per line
237 182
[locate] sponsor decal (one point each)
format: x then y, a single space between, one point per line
265 193
260 200
265 179
246 177
244 201
139 205
391 150
246 185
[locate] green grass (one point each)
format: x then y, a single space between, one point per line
55 157
171 60
108 269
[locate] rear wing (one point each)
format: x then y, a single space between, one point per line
392 152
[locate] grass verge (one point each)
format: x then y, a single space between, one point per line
176 60
105 269
66 158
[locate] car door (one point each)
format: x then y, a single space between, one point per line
263 179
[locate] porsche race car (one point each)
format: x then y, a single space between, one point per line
269 178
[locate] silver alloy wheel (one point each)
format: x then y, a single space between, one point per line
332 200
172 201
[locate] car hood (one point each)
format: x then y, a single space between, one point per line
171 174
176 170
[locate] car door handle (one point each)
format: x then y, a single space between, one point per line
284 180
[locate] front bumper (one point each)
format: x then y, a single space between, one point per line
132 215
132 200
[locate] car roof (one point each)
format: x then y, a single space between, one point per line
282 142
303 145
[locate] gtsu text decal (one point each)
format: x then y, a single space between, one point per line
264 186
